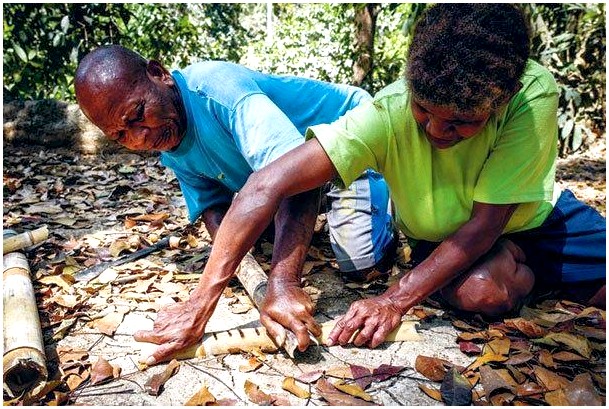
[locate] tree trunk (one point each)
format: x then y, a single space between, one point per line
365 26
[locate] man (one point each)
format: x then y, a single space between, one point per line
215 123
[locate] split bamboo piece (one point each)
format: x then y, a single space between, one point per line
250 339
26 239
24 363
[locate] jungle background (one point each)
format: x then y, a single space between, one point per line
101 202
361 44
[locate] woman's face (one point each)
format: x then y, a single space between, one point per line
445 128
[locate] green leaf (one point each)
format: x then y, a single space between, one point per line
20 53
567 128
577 139
65 24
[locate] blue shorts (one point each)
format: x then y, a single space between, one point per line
360 222
570 245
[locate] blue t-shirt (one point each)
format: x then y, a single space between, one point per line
240 120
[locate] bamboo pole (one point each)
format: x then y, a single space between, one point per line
26 239
250 339
24 363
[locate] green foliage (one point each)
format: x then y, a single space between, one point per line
569 39
44 42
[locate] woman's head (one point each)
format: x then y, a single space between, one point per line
468 57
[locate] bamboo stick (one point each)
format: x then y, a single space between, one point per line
26 239
24 363
249 339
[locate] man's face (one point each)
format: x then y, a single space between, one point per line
145 113
443 127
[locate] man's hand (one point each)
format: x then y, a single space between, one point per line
176 327
374 317
289 306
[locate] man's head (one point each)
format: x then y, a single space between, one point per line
464 63
133 101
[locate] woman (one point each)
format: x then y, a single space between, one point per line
467 143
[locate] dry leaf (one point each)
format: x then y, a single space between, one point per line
548 379
431 392
353 390
257 396
337 398
433 369
108 324
310 377
581 392
343 372
469 348
578 343
154 385
497 346
202 398
384 372
102 371
545 358
456 389
361 375
289 384
493 382
528 328
251 365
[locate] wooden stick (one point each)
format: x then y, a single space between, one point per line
24 363
23 240
249 339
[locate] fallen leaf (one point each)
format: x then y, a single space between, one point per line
493 382
251 365
469 348
556 398
154 385
517 359
581 392
578 343
432 368
455 389
289 384
384 372
257 396
431 392
353 390
102 371
108 324
310 377
528 328
545 358
497 346
343 372
361 375
337 398
550 380
202 398
566 356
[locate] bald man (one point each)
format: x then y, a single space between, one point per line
215 123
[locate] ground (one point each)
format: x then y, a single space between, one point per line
99 208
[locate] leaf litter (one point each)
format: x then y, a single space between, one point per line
553 353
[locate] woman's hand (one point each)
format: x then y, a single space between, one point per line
371 320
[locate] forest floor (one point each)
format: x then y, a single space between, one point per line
101 207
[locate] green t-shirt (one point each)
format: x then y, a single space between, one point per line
512 160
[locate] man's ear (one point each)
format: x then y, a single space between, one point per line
156 71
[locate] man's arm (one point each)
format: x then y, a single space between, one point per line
302 169
286 304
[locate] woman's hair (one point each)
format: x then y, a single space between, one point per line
468 57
